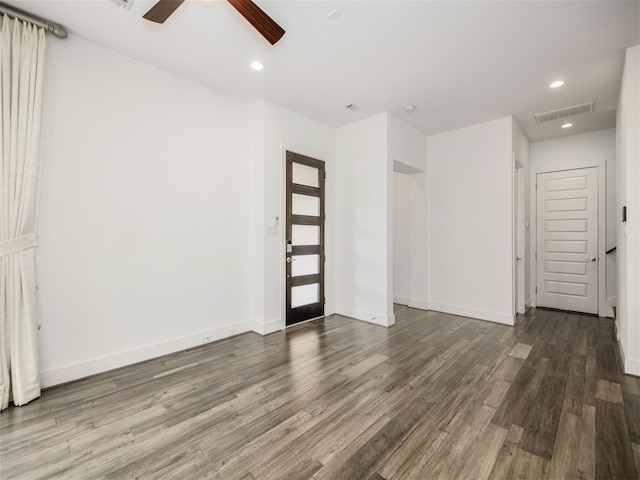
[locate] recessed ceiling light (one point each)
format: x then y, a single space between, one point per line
256 65
353 107
567 125
410 108
556 84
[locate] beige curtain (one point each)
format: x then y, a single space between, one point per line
22 49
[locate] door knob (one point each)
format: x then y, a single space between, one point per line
593 259
288 259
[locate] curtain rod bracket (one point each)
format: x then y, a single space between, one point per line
58 30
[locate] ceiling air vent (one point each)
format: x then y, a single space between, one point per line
564 112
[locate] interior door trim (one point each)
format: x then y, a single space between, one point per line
313 310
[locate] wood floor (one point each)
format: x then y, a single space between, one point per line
434 397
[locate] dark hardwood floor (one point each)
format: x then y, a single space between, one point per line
434 397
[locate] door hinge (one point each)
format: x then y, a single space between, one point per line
325 175
324 300
536 289
536 186
536 255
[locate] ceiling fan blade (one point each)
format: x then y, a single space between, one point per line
162 10
260 20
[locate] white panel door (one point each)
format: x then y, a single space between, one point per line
567 243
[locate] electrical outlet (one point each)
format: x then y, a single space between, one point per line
206 338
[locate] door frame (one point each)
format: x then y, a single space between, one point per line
602 234
519 238
291 157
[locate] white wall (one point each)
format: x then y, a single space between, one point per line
470 222
591 149
364 222
278 131
145 218
407 145
628 175
594 149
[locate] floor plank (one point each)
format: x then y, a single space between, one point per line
564 461
528 466
587 455
614 452
506 455
481 462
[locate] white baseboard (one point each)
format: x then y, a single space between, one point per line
268 327
473 313
369 317
68 373
401 300
611 302
631 365
421 304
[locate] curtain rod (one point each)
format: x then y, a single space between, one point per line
58 30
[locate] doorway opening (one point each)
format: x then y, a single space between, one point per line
409 236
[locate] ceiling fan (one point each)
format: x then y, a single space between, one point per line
249 10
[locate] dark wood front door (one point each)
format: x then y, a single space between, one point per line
305 238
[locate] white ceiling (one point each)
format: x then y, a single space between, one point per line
458 62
